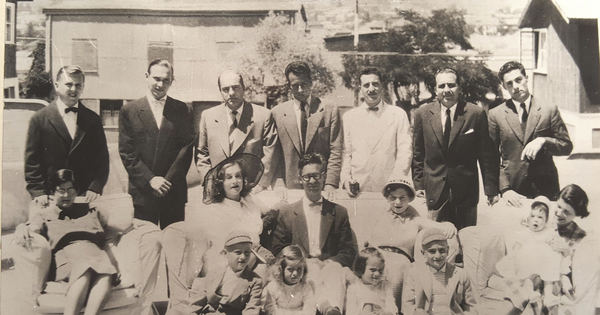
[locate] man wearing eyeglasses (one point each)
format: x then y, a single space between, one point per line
322 229
450 137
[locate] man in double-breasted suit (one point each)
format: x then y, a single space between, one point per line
236 126
528 134
306 125
68 135
449 139
156 137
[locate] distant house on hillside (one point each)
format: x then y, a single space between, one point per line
113 41
567 64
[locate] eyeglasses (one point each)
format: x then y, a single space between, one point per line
449 85
315 176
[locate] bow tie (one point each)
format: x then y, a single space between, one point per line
71 109
374 108
314 204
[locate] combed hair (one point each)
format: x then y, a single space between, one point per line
448 70
70 70
576 197
63 176
360 262
310 158
510 66
371 70
289 253
164 63
299 68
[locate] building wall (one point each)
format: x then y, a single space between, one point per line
200 51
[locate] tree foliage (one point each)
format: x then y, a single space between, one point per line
263 59
38 83
421 44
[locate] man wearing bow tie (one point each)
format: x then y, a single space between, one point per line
68 135
156 137
528 134
236 126
322 229
450 137
377 140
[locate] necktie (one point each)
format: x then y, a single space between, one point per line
71 109
234 119
303 122
447 128
524 115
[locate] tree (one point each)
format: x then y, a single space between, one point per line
263 59
417 37
38 83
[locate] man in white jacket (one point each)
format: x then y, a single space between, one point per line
377 139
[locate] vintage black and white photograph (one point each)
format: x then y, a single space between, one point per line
301 157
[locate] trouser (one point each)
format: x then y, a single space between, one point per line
455 211
160 212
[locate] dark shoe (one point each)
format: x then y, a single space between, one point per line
333 311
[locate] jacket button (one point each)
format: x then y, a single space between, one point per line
430 200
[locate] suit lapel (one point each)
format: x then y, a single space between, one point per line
166 127
58 123
533 119
436 123
313 121
222 133
423 285
291 126
513 119
452 280
458 123
327 217
245 124
82 123
300 225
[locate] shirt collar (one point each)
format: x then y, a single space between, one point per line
307 202
62 106
152 100
518 104
239 110
441 270
379 105
443 108
297 102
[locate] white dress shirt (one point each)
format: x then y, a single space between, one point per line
520 109
443 111
70 119
313 225
157 107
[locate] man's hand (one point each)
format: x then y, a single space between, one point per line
448 229
91 196
160 185
532 148
420 193
512 198
492 200
329 192
42 200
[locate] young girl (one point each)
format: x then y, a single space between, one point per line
371 294
289 292
76 238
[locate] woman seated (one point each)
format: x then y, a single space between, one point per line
396 231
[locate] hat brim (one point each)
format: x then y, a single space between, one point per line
400 184
252 168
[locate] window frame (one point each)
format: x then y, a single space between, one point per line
540 50
95 45
12 26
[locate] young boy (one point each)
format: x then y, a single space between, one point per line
436 286
229 287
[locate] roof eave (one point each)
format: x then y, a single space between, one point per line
160 12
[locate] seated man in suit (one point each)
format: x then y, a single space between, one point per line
322 229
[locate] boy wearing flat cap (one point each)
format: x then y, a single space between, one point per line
230 288
436 286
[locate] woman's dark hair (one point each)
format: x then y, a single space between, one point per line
360 262
288 253
575 197
63 176
220 189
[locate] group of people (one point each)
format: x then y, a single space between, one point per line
296 258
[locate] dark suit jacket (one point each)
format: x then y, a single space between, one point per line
323 134
147 151
255 134
434 167
529 178
337 239
49 148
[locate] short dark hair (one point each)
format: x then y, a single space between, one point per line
299 68
541 207
239 76
63 176
447 70
576 197
510 66
310 158
220 189
371 70
70 70
360 262
162 62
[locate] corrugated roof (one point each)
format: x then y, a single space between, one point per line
568 9
173 5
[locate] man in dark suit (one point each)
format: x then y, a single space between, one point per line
68 135
236 126
305 125
322 229
450 137
528 134
156 137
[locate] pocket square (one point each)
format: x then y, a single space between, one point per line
469 131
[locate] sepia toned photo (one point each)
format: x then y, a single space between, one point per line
301 157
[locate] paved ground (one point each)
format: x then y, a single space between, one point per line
584 172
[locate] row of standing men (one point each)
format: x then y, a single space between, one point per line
514 143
